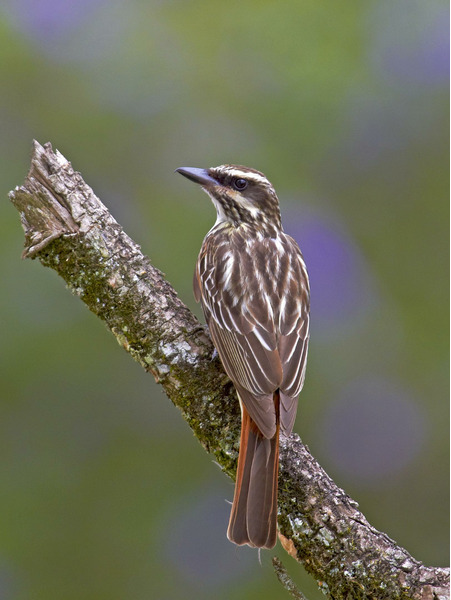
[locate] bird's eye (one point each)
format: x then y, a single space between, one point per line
240 184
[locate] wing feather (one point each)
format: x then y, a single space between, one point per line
294 326
259 330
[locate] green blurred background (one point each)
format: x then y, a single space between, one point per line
105 492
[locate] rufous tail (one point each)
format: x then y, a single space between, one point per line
253 519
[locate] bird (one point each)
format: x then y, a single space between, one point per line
252 283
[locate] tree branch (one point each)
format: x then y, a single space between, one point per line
68 229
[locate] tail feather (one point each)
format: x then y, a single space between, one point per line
253 519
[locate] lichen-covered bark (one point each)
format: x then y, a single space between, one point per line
68 229
326 531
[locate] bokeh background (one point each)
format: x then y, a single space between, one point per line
105 493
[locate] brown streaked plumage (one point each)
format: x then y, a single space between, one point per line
251 280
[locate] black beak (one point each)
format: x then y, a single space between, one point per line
199 176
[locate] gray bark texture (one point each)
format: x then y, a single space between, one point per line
68 229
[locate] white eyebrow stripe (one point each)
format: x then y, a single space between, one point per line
234 172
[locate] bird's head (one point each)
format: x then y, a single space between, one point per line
241 195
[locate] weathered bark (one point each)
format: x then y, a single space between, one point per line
70 230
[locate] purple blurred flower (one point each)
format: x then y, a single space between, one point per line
48 20
410 42
408 54
373 430
341 285
197 546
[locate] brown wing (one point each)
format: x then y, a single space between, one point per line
239 285
294 325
